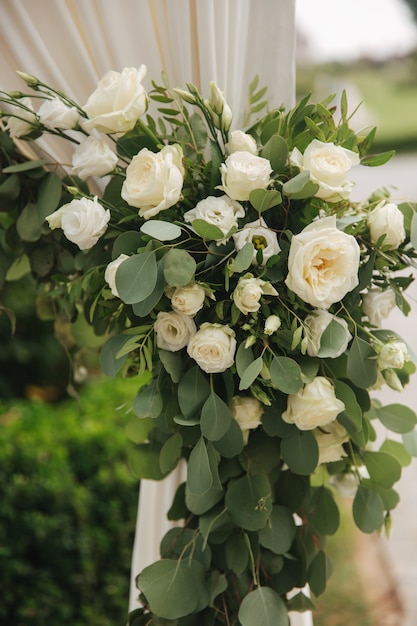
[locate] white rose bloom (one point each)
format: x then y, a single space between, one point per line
260 236
83 221
173 330
154 180
25 122
242 173
328 165
213 347
221 211
388 220
56 114
323 263
330 439
110 273
272 323
249 291
377 304
314 405
316 323
188 299
247 411
93 157
118 102
241 142
393 355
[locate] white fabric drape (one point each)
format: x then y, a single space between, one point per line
70 44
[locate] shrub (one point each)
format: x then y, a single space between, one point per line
67 510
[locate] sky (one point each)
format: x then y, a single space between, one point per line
344 31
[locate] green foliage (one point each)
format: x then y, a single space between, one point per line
67 509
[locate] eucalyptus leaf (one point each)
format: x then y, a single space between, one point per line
243 259
276 151
148 402
163 231
179 267
300 452
199 472
49 194
398 450
127 243
318 573
193 391
332 340
251 373
279 533
24 167
351 416
368 510
325 516
215 418
410 442
244 357
109 362
206 230
286 374
397 418
249 501
263 606
383 468
143 462
231 444
143 308
300 187
362 367
172 363
170 453
136 277
264 199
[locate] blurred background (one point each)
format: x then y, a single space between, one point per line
68 497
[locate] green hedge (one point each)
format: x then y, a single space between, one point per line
67 510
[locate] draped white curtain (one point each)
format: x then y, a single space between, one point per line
70 44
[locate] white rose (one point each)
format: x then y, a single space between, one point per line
330 439
393 355
387 219
316 323
188 299
25 121
118 102
242 173
249 291
247 411
93 157
173 330
213 347
323 263
272 323
110 273
314 405
83 221
241 142
56 114
220 110
328 165
377 304
154 180
221 211
260 236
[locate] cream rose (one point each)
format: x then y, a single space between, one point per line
173 330
330 439
213 347
154 180
93 157
249 291
188 299
242 173
25 121
316 323
118 101
221 211
56 114
328 165
314 405
387 219
83 221
241 142
393 355
261 237
323 263
247 411
377 304
110 273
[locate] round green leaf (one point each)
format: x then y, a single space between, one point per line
251 373
368 510
199 472
136 277
170 453
109 362
383 468
398 450
362 367
215 418
126 243
148 402
410 442
171 587
279 532
318 573
397 417
243 259
332 340
163 231
248 500
193 390
300 452
263 606
179 267
207 231
325 515
286 374
231 444
351 416
263 199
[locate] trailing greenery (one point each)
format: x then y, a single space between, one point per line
67 510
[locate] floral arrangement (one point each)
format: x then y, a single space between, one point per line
231 273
